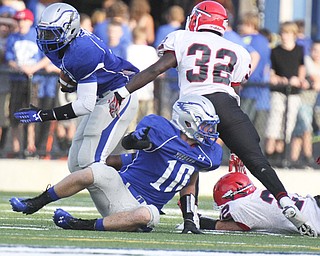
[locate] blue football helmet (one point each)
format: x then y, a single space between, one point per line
58 25
196 117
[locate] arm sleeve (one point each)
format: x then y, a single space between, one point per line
86 98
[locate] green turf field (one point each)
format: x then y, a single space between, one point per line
39 230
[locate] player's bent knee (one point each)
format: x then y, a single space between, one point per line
102 172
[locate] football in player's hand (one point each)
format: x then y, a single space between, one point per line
64 77
66 83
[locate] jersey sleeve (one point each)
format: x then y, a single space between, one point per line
242 69
168 44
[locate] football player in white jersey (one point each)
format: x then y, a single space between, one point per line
214 67
243 207
169 157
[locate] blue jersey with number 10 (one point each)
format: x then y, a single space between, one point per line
157 174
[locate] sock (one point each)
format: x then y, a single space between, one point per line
99 225
53 194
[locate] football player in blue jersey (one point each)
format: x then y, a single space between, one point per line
93 71
169 157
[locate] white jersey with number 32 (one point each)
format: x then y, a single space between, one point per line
207 63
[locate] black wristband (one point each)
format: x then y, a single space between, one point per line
60 113
47 115
64 112
207 223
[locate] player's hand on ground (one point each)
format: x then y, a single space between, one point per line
28 115
114 104
236 163
190 227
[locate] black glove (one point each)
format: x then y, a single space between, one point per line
190 226
138 139
187 203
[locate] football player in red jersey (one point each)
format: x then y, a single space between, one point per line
214 67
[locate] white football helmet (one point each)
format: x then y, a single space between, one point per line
58 25
196 117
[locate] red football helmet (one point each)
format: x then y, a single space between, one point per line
208 15
232 186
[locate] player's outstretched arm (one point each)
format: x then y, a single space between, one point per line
168 60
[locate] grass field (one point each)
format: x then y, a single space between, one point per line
38 230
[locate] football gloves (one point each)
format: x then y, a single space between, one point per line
138 139
115 102
189 212
236 163
190 227
29 115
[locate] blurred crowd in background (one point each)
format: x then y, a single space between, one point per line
281 97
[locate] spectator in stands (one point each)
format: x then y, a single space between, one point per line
255 94
85 22
303 131
140 17
170 91
7 26
288 77
98 16
119 12
135 52
47 92
65 129
25 58
115 33
302 39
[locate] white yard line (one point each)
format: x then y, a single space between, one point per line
34 251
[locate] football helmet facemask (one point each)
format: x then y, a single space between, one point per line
208 15
232 186
58 25
196 117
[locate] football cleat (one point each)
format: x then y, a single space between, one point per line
26 206
295 216
65 220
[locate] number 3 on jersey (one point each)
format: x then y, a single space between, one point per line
221 71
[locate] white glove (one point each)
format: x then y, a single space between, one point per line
292 213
